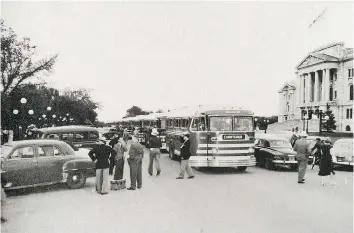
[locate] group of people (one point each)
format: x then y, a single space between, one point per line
321 154
111 158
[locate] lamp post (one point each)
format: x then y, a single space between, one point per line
266 125
15 112
54 116
322 117
306 118
23 102
255 120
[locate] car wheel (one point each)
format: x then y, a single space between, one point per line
242 168
268 164
76 179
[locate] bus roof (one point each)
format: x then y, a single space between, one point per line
71 128
189 112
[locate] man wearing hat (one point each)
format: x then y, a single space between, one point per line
136 154
154 144
185 155
303 152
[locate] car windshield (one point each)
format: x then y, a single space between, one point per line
279 143
222 123
243 123
6 149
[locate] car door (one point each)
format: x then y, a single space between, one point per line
50 163
20 167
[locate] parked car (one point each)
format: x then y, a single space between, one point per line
79 136
40 162
342 152
271 151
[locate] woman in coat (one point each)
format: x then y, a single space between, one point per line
326 164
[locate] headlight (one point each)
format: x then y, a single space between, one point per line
214 150
162 140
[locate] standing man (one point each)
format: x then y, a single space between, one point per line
154 144
185 155
125 135
136 154
303 152
102 153
120 147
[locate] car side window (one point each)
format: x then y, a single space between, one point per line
49 151
93 135
53 136
26 152
68 136
81 136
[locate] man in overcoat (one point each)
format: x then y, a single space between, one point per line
136 154
303 152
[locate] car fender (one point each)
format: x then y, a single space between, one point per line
271 152
79 164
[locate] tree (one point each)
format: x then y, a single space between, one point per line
135 111
18 61
159 111
329 124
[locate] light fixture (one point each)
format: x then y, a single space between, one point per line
15 111
44 116
54 116
49 108
30 112
23 100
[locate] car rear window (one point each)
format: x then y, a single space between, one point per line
68 150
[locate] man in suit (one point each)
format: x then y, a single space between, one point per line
185 155
136 154
303 152
154 144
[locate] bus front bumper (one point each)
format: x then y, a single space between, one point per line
222 161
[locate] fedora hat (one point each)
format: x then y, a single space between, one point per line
154 132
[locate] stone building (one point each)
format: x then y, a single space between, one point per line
324 76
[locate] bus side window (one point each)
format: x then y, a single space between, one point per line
195 124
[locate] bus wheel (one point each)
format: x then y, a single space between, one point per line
242 168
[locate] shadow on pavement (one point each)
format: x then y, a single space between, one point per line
343 168
220 170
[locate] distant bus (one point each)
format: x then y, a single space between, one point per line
220 136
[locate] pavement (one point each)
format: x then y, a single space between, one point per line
216 200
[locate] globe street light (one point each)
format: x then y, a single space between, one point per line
30 112
23 100
54 116
44 116
15 111
49 108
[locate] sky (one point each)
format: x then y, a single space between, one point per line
165 55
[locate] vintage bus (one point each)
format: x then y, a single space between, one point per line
221 136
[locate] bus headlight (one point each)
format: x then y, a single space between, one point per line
251 150
214 150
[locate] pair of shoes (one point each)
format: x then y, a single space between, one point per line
131 188
150 174
190 177
158 172
179 178
303 179
104 193
3 219
301 182
139 187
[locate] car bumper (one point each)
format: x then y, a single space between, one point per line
222 161
285 162
343 163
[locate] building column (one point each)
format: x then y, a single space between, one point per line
323 97
308 88
304 86
317 87
326 86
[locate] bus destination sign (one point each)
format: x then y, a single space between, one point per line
233 137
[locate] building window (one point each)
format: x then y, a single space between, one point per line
335 94
347 128
349 113
351 72
351 92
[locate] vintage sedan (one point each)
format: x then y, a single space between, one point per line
342 152
271 151
41 162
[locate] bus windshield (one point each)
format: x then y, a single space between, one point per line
220 123
242 123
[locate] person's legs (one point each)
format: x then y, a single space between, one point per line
105 181
157 161
98 180
183 169
139 175
302 170
133 174
118 173
151 161
189 169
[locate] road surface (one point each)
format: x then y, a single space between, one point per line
217 200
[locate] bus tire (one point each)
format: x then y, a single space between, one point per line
241 168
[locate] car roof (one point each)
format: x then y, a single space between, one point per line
71 128
34 141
